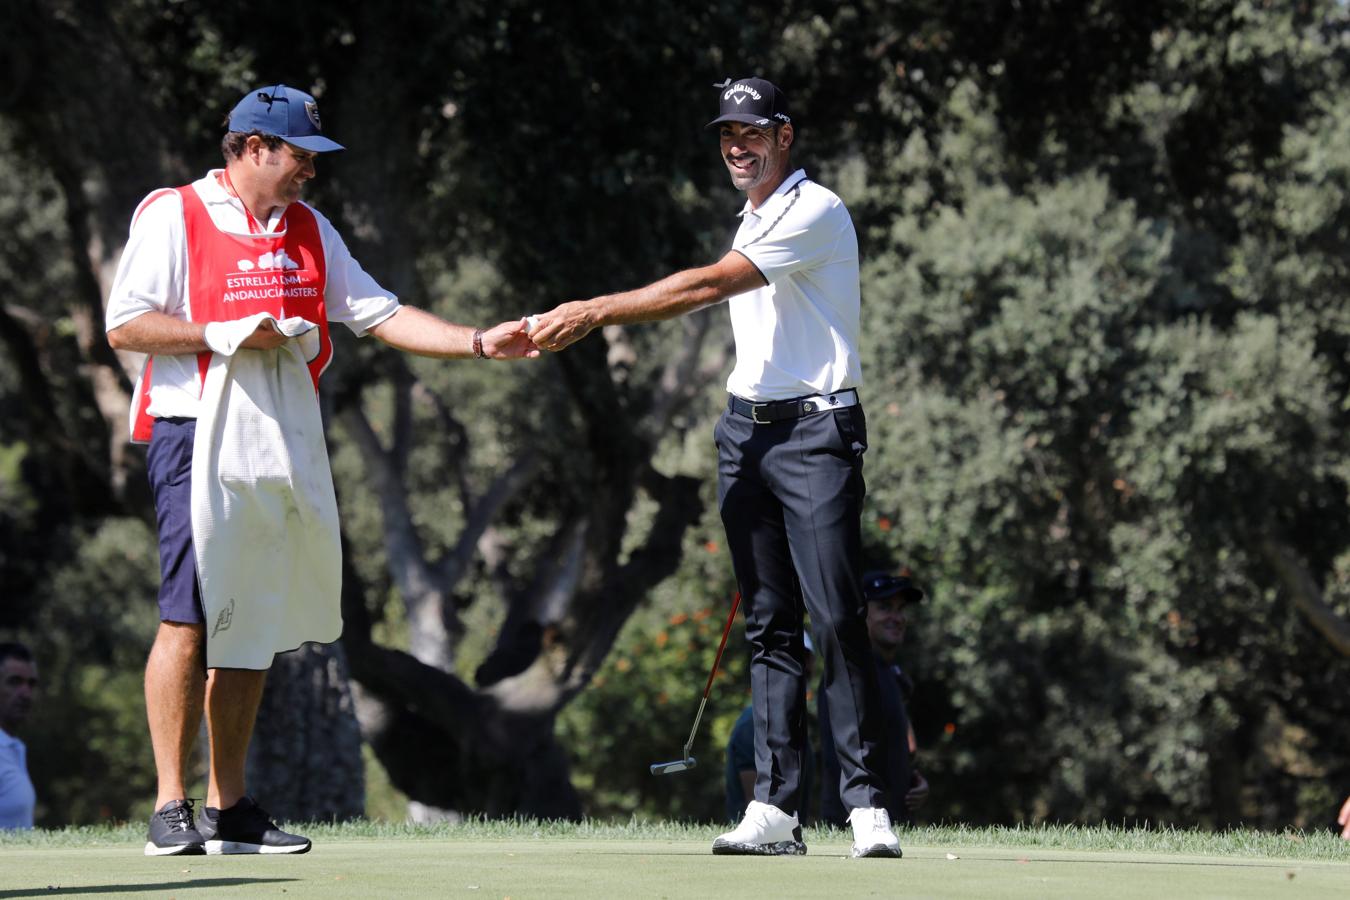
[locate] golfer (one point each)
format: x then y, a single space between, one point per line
229 284
790 452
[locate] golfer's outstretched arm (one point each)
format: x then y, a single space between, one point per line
672 296
1344 819
417 331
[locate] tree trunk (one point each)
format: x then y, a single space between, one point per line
490 748
1306 596
305 760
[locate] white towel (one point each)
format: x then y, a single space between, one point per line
264 515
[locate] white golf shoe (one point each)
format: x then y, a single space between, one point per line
764 831
872 834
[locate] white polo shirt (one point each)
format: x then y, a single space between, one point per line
17 797
797 335
153 275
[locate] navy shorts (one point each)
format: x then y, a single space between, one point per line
169 464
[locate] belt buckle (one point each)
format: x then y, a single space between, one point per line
754 414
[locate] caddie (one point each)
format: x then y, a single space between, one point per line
230 285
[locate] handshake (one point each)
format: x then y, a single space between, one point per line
527 337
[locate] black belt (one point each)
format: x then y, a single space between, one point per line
780 410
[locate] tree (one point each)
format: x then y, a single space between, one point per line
1105 356
1116 394
563 617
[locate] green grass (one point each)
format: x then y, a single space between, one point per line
592 859
1293 845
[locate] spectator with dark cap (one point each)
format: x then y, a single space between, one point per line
18 685
890 603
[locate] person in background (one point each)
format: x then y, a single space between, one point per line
1344 819
890 603
18 685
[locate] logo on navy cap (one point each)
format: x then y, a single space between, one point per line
738 92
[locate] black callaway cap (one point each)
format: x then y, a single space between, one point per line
883 585
752 101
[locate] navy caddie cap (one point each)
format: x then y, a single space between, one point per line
285 112
883 585
752 101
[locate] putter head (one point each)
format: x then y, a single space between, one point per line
670 768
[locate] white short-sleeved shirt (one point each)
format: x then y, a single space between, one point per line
17 797
153 275
797 335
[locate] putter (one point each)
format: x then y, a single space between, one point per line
681 765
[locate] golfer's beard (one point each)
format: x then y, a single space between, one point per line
744 182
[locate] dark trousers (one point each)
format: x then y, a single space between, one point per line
791 495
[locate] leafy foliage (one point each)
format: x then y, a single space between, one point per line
1105 340
641 705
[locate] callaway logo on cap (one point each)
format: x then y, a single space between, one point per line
285 112
751 101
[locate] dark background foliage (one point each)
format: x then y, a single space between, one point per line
1106 350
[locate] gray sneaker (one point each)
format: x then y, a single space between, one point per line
246 828
173 831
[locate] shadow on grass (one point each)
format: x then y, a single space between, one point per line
1214 862
157 887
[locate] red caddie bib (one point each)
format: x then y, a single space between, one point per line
233 276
